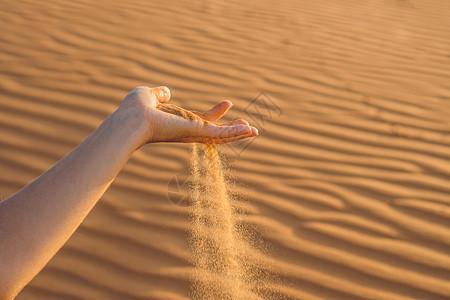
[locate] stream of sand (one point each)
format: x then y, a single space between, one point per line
214 239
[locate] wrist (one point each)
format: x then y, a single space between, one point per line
131 127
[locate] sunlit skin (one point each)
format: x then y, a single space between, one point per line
36 221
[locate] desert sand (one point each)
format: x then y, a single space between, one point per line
344 195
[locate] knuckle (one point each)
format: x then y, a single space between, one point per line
140 90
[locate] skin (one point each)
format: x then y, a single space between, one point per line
37 221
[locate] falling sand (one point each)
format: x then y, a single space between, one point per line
216 243
214 238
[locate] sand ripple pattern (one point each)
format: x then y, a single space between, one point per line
347 190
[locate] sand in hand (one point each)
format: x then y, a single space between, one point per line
179 111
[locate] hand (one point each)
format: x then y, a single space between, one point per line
162 126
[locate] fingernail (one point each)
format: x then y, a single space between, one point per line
231 103
255 131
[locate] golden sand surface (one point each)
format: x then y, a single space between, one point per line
346 191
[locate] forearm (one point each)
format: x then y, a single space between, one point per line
36 221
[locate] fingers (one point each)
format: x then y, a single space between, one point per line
217 132
161 93
236 138
194 131
226 134
152 96
236 122
217 111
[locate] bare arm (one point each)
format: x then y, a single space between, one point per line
36 221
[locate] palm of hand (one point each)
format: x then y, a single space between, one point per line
170 123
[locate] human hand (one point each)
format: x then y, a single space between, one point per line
169 123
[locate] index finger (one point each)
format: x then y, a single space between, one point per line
217 111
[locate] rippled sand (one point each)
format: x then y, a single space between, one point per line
347 188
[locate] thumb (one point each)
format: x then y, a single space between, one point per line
151 96
161 94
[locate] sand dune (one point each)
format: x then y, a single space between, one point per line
346 192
